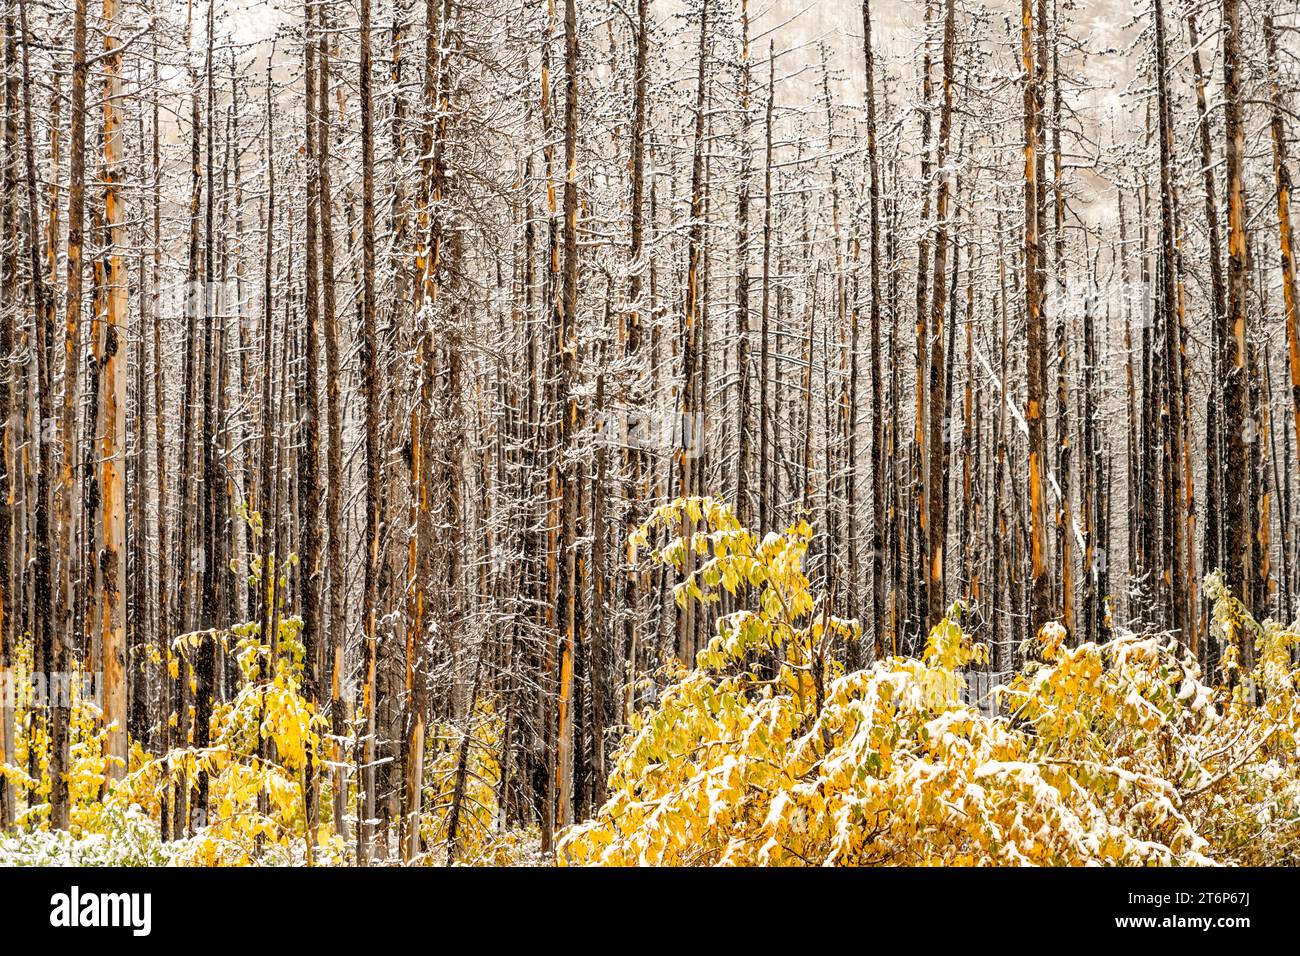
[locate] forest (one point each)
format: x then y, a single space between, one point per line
649 432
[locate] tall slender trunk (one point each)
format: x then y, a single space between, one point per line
936 483
878 452
1286 239
1180 585
370 384
336 476
72 312
1212 543
689 479
210 483
9 477
310 456
1035 345
765 469
742 280
568 342
163 627
921 440
633 350
1064 442
48 636
1237 422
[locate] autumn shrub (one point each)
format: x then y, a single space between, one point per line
256 764
462 780
115 834
1103 753
262 744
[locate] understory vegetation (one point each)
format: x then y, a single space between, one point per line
766 753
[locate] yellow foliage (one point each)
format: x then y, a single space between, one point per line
1113 753
478 841
87 762
257 760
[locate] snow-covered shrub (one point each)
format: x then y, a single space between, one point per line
118 835
1114 753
